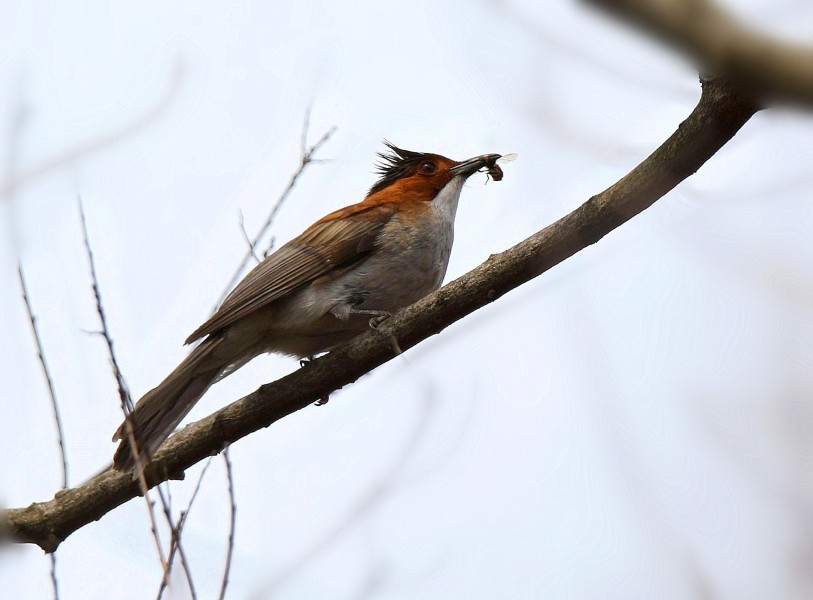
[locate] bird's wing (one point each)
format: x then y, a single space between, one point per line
338 240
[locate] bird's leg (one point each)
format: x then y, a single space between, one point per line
378 316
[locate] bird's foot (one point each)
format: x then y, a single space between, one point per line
378 319
378 316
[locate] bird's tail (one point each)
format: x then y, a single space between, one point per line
161 409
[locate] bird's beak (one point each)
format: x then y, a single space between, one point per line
472 165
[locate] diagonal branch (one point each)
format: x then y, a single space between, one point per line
721 112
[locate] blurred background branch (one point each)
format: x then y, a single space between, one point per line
94 144
721 44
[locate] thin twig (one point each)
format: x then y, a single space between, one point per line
54 579
303 140
124 394
54 405
251 247
306 158
127 408
16 129
60 432
177 530
175 545
197 488
232 524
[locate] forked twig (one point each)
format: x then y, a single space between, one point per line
306 158
176 534
127 407
175 544
124 393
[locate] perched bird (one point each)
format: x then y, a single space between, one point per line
324 287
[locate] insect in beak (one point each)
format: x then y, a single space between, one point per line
493 170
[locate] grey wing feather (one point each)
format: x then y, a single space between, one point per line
322 248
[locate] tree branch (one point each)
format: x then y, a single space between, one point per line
720 44
721 112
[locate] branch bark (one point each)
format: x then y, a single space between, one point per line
714 38
720 113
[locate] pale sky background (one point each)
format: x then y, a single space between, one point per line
636 423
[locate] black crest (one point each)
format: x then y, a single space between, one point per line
393 165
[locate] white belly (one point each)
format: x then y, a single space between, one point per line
409 263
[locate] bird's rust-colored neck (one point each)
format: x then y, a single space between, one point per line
410 179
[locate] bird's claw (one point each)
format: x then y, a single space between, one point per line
378 320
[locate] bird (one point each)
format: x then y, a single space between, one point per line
345 273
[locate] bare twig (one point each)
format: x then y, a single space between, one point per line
249 243
127 407
18 121
197 488
721 44
54 578
720 113
306 158
178 530
60 432
232 525
303 140
175 545
124 393
54 405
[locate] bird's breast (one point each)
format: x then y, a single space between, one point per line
411 253
408 262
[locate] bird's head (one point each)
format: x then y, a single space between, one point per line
409 175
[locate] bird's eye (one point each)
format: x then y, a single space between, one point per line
427 168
